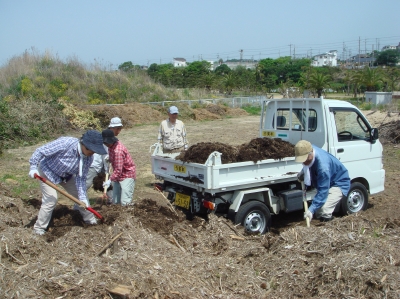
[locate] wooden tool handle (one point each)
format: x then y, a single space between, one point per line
303 187
47 182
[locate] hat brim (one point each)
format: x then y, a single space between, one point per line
115 126
97 148
110 140
301 158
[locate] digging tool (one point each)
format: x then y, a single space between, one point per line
47 182
303 187
106 179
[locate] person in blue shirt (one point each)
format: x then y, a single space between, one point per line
65 161
324 172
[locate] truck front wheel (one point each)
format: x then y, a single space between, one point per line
356 200
254 216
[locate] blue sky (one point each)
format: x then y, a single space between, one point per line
156 31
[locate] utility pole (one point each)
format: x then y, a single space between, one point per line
294 52
241 56
359 40
365 47
290 51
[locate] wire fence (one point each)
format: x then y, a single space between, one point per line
235 102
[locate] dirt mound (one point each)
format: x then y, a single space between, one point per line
257 149
198 153
203 114
265 148
136 113
390 132
131 114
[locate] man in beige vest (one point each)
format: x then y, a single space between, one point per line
172 133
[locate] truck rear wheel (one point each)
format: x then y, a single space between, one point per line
254 216
356 200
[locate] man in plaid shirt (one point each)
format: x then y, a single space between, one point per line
124 169
65 161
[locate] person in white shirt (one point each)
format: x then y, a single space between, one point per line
100 162
172 133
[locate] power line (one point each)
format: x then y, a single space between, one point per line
348 46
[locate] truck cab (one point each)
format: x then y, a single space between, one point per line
337 127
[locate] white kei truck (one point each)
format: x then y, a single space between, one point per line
248 193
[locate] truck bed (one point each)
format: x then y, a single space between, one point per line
214 177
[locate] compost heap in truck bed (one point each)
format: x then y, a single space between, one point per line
256 150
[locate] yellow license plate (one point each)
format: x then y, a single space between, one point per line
179 168
268 133
182 200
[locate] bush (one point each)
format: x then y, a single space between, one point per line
253 110
27 122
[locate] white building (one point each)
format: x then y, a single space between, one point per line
389 48
179 62
326 59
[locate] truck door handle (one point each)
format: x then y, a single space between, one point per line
340 150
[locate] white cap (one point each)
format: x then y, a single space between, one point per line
115 122
173 110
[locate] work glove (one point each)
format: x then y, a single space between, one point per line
185 147
107 184
106 159
300 176
308 215
33 172
86 202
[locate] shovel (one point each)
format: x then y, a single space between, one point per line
107 176
303 187
78 202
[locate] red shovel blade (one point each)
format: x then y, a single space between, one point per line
95 213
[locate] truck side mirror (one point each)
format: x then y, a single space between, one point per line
374 135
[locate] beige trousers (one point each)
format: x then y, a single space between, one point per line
49 201
335 195
175 150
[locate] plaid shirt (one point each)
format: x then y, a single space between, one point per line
122 163
172 136
59 160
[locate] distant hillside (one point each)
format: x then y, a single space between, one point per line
42 97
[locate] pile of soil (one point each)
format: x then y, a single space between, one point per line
256 150
390 132
199 152
265 148
136 113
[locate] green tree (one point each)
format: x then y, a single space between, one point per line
392 77
371 78
229 83
196 70
126 66
208 81
222 69
319 82
388 57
